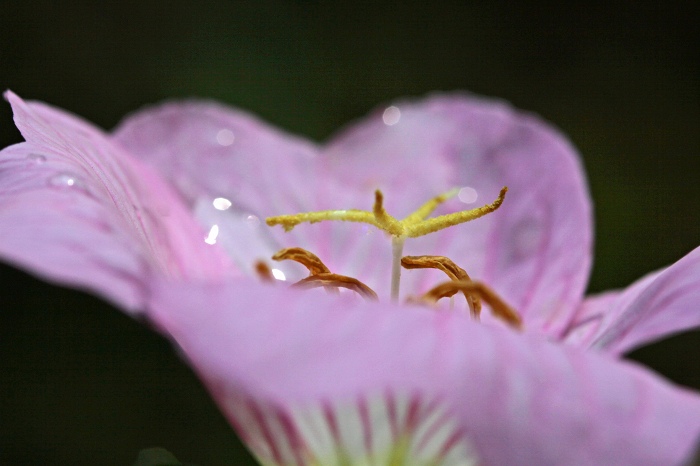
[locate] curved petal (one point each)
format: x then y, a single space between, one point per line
655 306
208 151
536 251
310 377
79 210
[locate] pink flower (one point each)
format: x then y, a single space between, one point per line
311 378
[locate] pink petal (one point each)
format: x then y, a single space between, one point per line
660 304
79 210
298 372
208 151
536 251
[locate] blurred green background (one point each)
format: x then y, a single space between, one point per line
82 384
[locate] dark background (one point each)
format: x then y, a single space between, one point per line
82 384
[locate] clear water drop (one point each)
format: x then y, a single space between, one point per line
213 234
252 220
38 159
66 180
468 195
221 203
526 238
225 137
279 275
391 115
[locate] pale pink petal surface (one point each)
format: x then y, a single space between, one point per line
660 304
300 372
535 251
77 209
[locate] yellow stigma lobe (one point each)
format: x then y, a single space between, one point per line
414 225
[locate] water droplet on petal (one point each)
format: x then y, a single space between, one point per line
225 137
221 203
66 180
526 238
38 159
468 195
278 274
213 233
391 115
253 221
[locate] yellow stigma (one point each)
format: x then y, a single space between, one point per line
414 225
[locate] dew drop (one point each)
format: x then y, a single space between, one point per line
213 233
221 203
278 274
468 195
225 137
38 159
252 220
526 238
65 180
391 115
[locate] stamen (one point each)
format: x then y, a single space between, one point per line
304 257
499 308
335 280
264 271
455 272
308 260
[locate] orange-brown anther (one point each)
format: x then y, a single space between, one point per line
499 308
264 272
455 272
304 257
338 281
320 275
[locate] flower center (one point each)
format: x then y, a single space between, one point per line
412 226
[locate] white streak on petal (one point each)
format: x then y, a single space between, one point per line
381 430
351 429
312 426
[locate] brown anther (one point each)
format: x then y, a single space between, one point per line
263 271
499 308
455 272
338 281
304 257
308 260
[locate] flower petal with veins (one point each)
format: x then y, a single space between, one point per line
664 302
78 209
307 366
